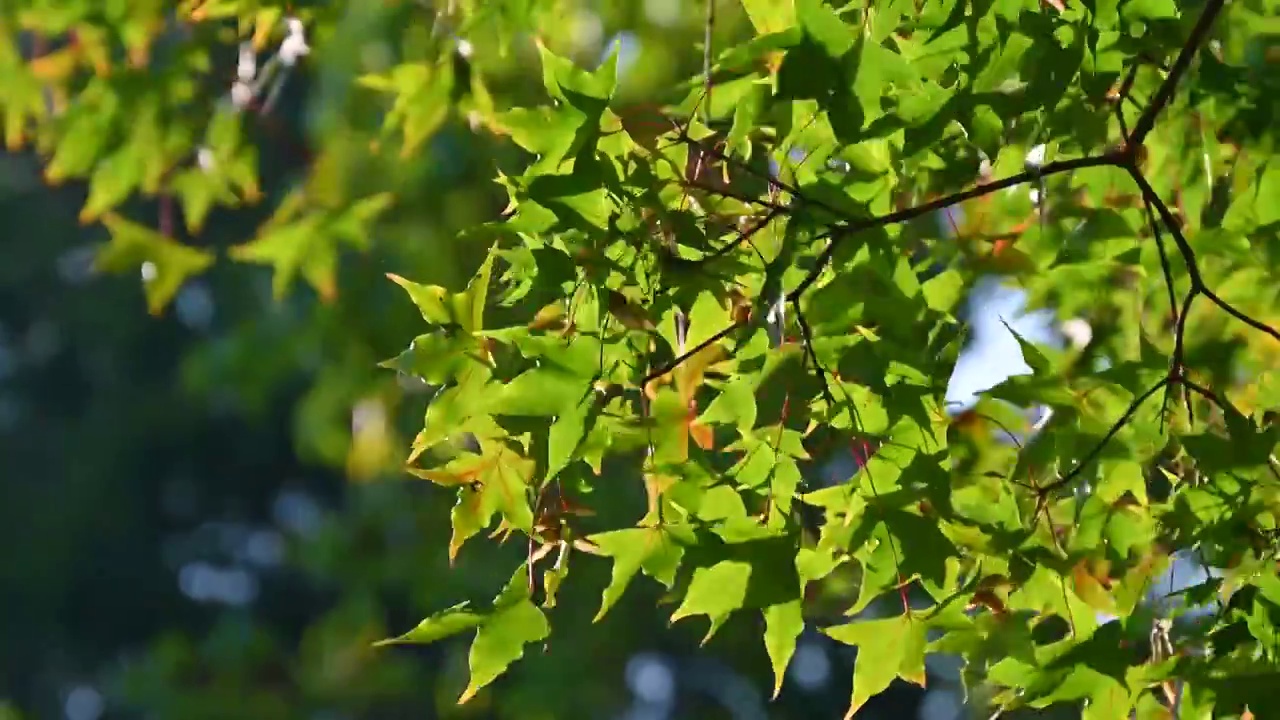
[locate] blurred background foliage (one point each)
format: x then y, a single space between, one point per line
202 513
201 510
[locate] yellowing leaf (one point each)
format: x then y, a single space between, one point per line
470 514
770 16
55 67
264 22
497 480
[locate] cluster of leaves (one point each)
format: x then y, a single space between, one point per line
137 100
716 298
727 293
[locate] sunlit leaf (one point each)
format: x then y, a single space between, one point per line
164 263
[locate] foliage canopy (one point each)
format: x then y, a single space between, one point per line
715 296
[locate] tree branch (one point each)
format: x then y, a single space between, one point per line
680 359
1115 429
1147 121
854 226
1127 156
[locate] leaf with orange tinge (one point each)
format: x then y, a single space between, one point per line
495 481
1091 588
702 435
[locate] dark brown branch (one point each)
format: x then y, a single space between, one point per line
1177 371
680 359
1153 200
1242 317
773 181
744 235
1177 363
1147 121
1127 157
1189 256
1115 429
911 213
806 336
1126 86
1155 205
735 195
1208 394
1225 406
165 222
1165 267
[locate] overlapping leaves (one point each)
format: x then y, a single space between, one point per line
723 332
725 298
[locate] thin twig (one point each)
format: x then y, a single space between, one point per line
1164 262
806 336
721 156
1167 271
744 235
1122 94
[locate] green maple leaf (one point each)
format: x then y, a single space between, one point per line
422 93
164 262
502 632
497 480
515 622
770 16
715 591
748 571
441 307
887 649
438 626
542 392
783 623
295 242
655 550
566 435
436 357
